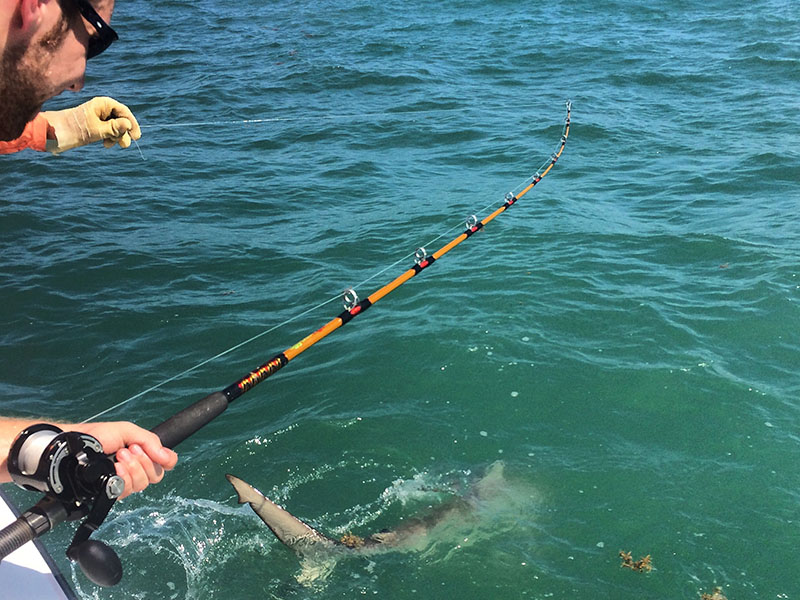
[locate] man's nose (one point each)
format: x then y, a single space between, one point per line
77 86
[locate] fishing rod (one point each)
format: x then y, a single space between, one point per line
183 424
79 481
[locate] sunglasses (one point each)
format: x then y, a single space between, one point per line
103 37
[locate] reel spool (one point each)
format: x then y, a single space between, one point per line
66 465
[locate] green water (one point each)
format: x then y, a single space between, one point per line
625 338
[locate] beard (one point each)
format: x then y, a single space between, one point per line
19 96
22 79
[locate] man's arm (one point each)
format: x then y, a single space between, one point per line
100 119
34 137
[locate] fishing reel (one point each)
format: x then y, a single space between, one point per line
78 481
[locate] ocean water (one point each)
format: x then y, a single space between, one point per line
626 339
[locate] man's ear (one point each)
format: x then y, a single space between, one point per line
31 14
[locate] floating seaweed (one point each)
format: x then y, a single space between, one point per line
352 541
715 595
643 564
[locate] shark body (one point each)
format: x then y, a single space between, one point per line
305 540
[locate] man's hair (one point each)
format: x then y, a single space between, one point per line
69 8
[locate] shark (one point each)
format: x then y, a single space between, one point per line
411 534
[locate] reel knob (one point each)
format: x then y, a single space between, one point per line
98 561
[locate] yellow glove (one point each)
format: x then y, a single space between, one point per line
98 119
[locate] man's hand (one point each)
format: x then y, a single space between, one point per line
100 119
141 459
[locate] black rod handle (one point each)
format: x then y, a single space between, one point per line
34 522
191 419
14 536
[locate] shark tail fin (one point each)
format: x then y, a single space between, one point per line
246 492
287 528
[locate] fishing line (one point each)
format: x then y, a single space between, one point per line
245 342
139 148
249 340
278 120
210 359
309 117
421 258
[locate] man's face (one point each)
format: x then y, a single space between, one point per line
52 61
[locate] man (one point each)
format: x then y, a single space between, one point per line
44 45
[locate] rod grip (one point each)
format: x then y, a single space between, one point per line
34 522
14 536
191 419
